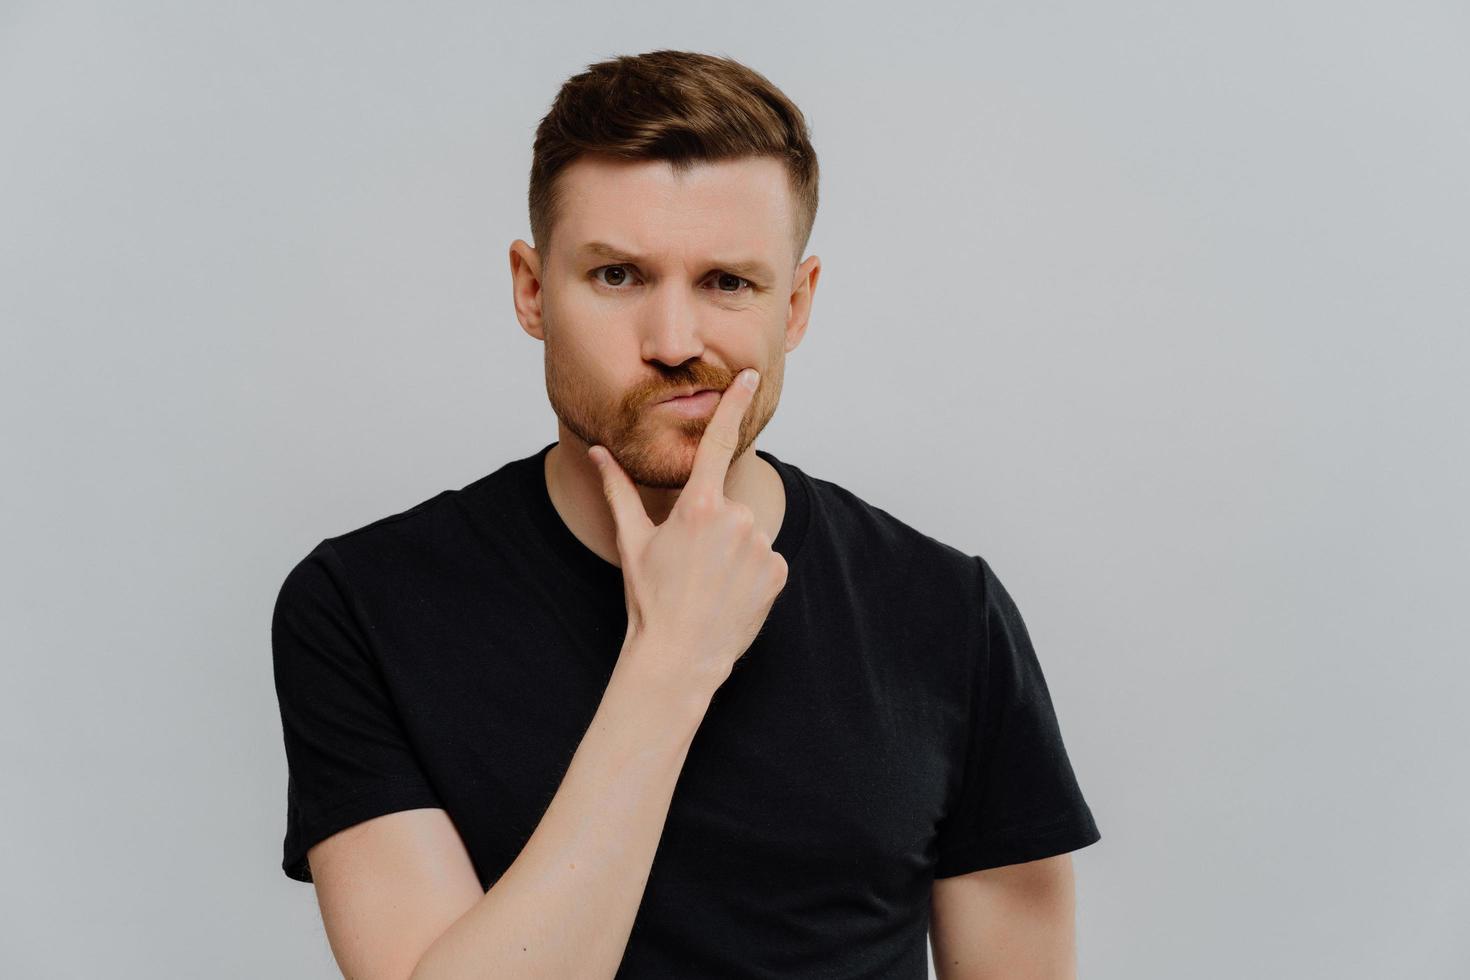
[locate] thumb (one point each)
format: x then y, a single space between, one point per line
629 518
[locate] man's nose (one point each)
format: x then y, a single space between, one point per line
671 323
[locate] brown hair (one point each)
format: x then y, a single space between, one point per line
677 106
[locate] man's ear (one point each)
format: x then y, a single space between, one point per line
525 280
803 289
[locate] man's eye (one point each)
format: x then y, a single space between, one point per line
726 275
619 276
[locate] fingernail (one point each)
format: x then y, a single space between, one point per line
750 377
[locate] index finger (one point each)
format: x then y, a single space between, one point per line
717 445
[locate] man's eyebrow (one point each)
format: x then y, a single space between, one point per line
745 268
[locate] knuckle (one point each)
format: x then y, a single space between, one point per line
703 504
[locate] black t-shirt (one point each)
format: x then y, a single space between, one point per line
889 724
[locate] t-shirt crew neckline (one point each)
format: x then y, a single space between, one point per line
606 579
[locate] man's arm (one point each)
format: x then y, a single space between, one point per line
400 897
1016 922
565 907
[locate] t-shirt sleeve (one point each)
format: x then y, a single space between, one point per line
347 755
1019 799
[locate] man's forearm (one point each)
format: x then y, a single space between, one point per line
565 907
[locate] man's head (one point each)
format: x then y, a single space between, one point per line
672 194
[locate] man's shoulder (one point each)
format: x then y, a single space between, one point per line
436 525
881 536
390 524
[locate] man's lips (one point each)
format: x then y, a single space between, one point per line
685 393
695 405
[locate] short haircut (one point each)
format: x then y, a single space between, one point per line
682 107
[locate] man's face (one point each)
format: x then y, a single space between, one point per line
658 283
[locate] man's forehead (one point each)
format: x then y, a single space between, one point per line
737 210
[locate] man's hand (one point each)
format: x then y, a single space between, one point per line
701 584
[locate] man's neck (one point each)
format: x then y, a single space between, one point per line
575 488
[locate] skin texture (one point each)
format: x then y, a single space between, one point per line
622 335
1016 922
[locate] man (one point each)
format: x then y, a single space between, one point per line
651 702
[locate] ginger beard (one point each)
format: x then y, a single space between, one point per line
654 446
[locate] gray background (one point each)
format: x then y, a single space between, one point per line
1161 307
